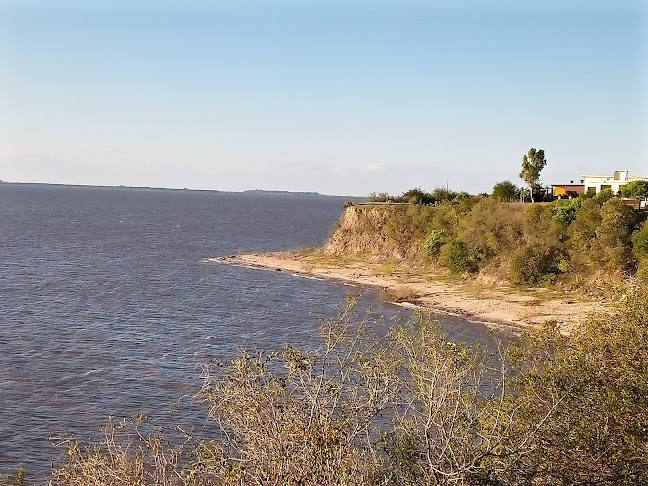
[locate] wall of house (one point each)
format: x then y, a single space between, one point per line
597 183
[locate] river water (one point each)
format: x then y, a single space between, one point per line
107 308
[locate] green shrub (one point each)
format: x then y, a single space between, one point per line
599 236
387 269
433 243
613 235
533 214
456 257
566 211
416 196
464 203
533 264
492 229
634 189
539 224
640 242
506 191
604 196
443 194
582 235
446 218
406 226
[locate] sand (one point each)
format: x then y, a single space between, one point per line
486 303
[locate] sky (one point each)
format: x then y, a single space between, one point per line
337 97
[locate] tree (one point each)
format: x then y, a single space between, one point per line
634 189
379 197
443 194
505 191
532 165
416 196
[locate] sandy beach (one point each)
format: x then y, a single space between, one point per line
487 303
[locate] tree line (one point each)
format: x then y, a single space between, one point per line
532 165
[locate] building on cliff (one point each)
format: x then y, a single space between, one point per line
595 184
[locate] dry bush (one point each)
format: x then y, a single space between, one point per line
589 396
125 456
404 406
408 408
447 425
297 418
370 407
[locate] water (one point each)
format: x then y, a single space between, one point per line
106 308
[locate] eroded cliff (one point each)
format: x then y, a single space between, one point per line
377 232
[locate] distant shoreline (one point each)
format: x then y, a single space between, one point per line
184 189
490 305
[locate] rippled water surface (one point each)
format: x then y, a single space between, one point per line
107 310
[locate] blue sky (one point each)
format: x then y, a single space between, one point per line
335 97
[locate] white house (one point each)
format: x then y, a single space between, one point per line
594 184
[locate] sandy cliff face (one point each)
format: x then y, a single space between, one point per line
370 231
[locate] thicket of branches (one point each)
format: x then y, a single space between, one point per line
404 406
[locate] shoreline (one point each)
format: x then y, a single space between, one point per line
487 304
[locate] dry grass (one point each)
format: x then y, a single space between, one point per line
317 258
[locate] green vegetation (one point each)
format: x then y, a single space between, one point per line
569 243
433 243
640 243
604 195
565 211
592 389
532 165
634 189
417 196
506 191
404 407
456 257
533 264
